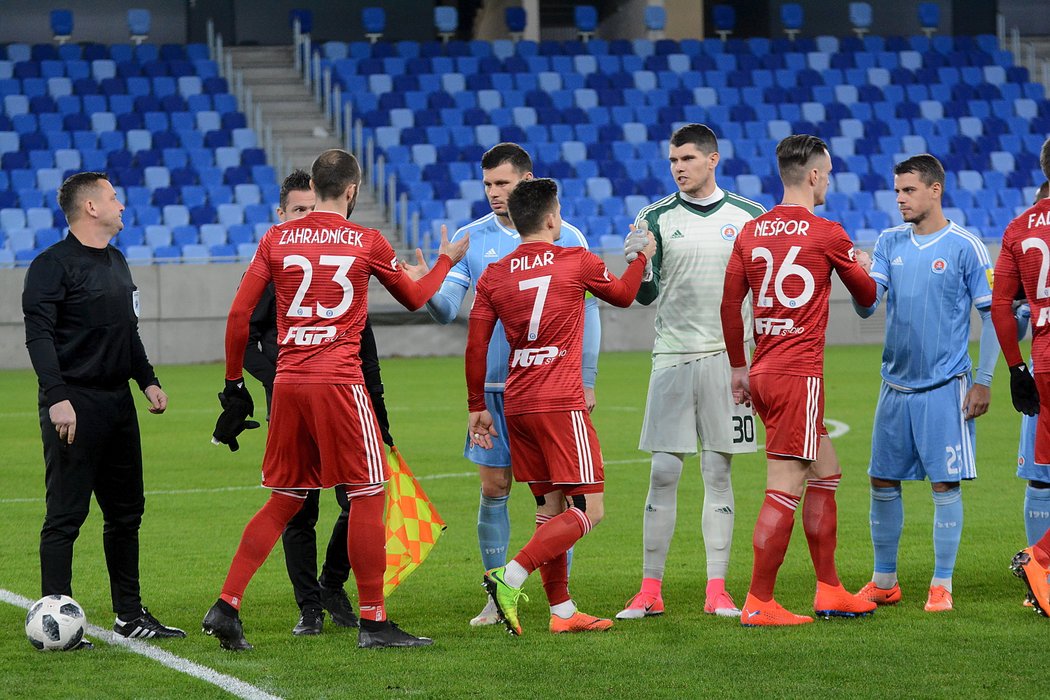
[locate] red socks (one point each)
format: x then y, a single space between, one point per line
260 535
366 545
772 534
554 573
820 521
553 538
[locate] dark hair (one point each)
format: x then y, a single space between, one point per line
333 171
1043 192
928 168
794 155
297 180
73 189
1044 158
700 135
507 153
530 201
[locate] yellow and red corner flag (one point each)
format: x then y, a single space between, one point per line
412 523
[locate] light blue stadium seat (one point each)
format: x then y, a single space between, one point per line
227 157
970 180
472 190
176 215
230 214
7 258
18 239
67 159
38 218
196 252
1002 161
424 154
847 183
59 87
572 152
244 138
213 234
158 235
247 193
486 135
103 121
971 126
157 176
458 210
886 200
599 188
49 179
139 254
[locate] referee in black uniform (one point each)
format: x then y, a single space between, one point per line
81 313
313 595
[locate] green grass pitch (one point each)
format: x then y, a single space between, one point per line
201 498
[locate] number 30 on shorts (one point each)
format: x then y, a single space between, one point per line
743 429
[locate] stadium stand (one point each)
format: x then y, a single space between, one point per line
596 116
158 119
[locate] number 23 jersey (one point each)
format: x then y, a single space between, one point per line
787 256
320 265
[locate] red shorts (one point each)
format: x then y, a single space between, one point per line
322 435
792 409
551 451
1042 429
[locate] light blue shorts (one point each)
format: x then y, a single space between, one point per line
923 434
1026 466
499 455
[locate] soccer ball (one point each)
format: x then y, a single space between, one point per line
55 623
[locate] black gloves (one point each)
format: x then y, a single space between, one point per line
1023 391
237 405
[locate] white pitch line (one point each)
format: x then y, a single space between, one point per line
227 489
835 429
233 686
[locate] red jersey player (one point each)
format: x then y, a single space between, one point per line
1022 264
538 292
785 257
323 431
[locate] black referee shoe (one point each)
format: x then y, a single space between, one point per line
338 606
374 635
226 628
311 622
145 626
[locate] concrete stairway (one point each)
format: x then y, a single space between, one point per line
295 119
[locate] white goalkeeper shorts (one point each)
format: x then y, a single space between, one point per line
694 400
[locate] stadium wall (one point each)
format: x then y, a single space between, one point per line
184 311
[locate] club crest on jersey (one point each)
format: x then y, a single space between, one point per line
729 232
939 266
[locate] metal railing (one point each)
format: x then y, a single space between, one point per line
1025 53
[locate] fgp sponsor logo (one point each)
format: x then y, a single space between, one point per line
729 232
938 266
530 357
309 335
777 326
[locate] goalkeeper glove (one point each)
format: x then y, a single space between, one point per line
237 405
1023 390
634 244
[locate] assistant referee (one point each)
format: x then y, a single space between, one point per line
81 313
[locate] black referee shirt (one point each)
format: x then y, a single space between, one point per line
81 312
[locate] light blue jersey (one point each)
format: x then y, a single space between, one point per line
490 241
931 282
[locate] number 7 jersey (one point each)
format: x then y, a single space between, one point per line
785 257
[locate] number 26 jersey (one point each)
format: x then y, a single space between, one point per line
786 257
